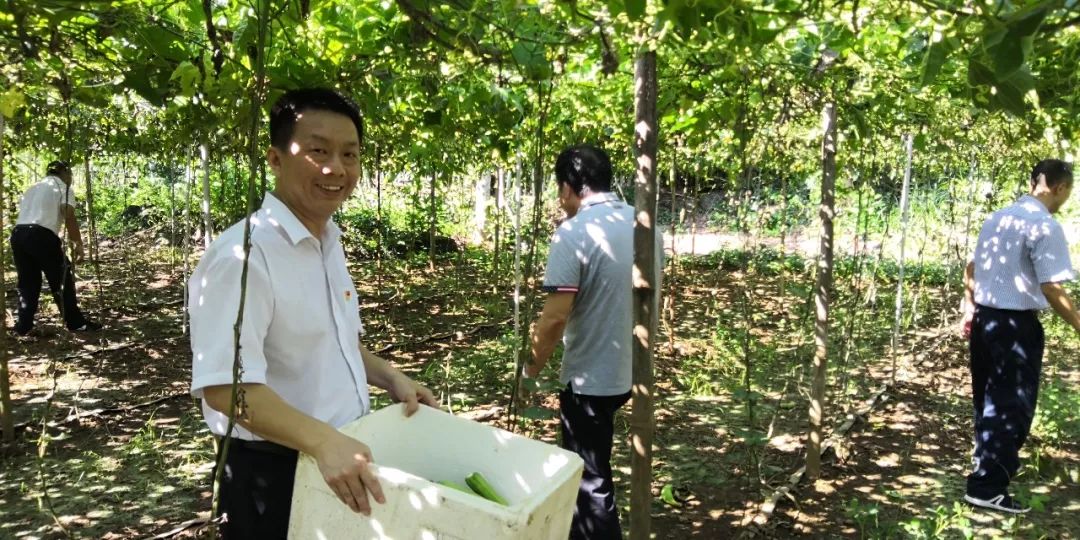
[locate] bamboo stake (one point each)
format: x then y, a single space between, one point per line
904 195
496 255
190 176
519 334
208 219
433 225
91 229
93 252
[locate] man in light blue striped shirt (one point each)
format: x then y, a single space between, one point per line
1020 261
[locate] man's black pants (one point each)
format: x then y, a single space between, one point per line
37 250
1006 359
256 490
588 428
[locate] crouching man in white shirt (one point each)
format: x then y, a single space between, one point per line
304 373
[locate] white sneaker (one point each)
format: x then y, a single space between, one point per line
1001 503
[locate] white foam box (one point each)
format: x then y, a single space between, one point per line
540 482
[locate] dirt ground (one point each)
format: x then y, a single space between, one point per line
124 454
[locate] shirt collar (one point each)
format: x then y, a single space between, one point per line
277 213
1029 201
598 198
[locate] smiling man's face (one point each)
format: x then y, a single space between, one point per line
318 169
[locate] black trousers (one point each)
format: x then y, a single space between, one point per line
1006 360
588 429
256 490
37 250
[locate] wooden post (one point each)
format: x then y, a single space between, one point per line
646 279
822 289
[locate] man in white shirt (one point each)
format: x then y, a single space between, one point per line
304 373
1020 262
35 243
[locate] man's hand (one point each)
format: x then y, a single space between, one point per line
345 464
404 389
967 305
1063 305
968 311
527 385
530 370
78 252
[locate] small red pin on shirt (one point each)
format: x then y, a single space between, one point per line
348 296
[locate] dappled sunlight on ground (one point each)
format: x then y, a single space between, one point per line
135 472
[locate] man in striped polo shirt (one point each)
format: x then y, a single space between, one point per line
589 278
1019 264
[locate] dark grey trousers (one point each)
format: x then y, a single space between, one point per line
37 250
1006 361
588 429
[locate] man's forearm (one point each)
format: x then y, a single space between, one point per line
549 327
545 337
379 372
272 418
969 285
72 226
1061 303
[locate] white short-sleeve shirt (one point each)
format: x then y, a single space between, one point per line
44 202
1020 247
301 327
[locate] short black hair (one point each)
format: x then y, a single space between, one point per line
584 165
287 109
1056 172
57 167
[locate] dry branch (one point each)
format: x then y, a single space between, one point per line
111 410
480 415
444 335
87 354
187 525
756 522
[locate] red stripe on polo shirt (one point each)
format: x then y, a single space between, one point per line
559 288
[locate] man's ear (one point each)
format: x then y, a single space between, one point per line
1039 180
273 158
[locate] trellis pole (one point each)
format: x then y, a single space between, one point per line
208 220
646 291
236 400
7 425
822 290
898 313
